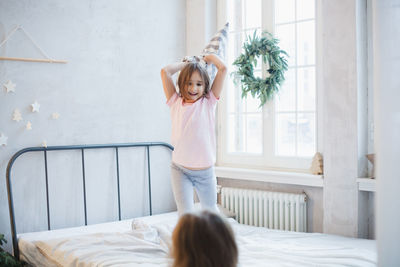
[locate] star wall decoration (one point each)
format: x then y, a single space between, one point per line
44 143
3 139
29 125
17 115
55 115
10 86
35 106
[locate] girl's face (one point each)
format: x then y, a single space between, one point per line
194 89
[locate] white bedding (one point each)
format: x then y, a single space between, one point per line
35 247
147 243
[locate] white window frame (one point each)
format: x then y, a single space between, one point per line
268 161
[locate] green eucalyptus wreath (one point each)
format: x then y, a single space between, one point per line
266 47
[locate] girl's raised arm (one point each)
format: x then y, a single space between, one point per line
218 83
166 77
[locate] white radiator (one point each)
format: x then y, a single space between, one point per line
273 210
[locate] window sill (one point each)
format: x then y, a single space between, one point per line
366 184
278 177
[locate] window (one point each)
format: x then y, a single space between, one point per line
283 133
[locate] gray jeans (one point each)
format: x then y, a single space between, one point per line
204 182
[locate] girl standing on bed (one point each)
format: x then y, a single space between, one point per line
193 130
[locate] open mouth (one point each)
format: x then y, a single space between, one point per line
192 94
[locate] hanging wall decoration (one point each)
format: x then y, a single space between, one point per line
17 115
267 48
10 86
29 126
3 139
55 115
35 106
47 59
317 164
371 158
44 143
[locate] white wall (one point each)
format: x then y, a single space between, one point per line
109 92
386 42
201 21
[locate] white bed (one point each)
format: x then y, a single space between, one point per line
147 244
145 241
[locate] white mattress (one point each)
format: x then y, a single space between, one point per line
118 244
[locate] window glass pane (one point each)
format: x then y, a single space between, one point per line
306 89
305 9
284 11
234 47
254 133
235 14
306 43
236 133
306 134
235 102
241 102
286 35
252 11
231 95
285 100
252 104
285 134
234 91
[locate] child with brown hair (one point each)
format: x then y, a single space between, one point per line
193 130
203 240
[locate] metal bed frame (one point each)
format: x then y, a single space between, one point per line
74 147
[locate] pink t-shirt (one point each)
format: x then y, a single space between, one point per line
193 131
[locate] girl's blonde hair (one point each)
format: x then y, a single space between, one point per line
203 240
187 72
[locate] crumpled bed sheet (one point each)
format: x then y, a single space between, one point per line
145 242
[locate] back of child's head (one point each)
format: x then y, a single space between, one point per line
203 240
187 72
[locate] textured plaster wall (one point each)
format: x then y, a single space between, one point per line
344 117
340 119
201 21
109 92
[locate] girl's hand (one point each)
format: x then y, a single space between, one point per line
166 77
214 59
218 83
207 58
